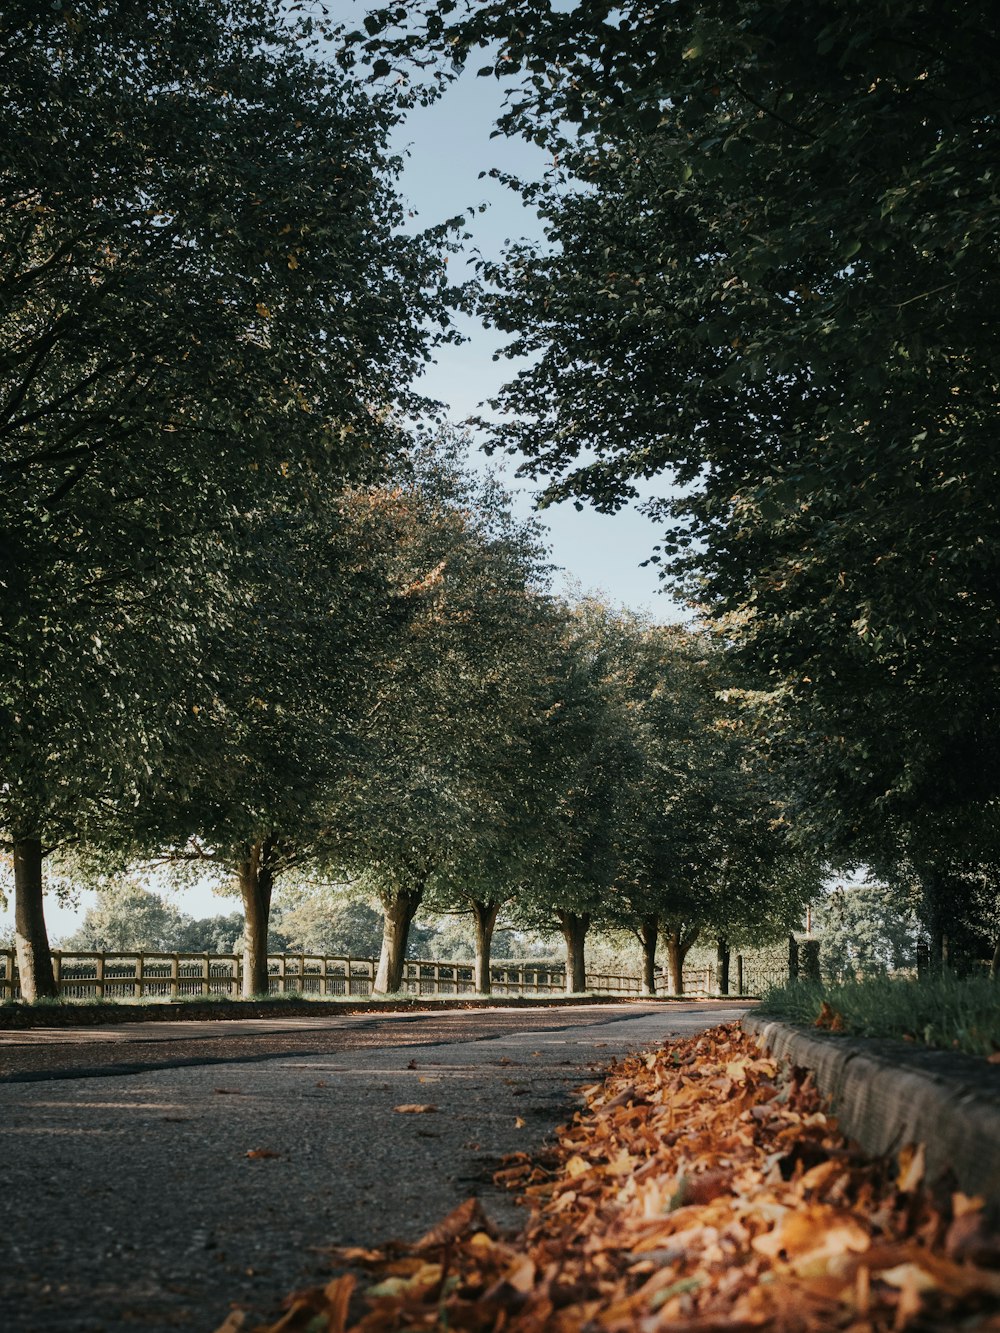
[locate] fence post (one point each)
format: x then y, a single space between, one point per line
793 958
99 971
175 973
205 975
140 975
282 975
57 969
739 974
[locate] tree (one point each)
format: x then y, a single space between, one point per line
249 778
126 916
703 843
587 759
206 298
324 919
665 822
513 797
769 272
867 929
432 794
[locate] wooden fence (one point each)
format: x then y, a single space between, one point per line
174 976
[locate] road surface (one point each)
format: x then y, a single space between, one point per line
130 1201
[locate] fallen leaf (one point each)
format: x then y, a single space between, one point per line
829 1018
970 1238
233 1322
354 1254
912 1164
415 1108
907 1276
966 1203
519 1122
338 1296
258 1154
521 1274
467 1217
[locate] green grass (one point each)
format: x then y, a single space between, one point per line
944 1011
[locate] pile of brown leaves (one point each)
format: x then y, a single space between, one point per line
698 1191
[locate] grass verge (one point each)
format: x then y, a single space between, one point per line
945 1011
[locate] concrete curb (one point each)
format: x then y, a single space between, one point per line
885 1095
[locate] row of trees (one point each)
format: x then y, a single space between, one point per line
510 758
404 707
769 273
211 323
249 621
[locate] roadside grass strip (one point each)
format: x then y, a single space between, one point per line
699 1191
945 1012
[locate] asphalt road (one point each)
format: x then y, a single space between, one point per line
130 1201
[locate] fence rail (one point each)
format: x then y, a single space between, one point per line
174 976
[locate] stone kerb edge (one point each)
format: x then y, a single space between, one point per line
884 1100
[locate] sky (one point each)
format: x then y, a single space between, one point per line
446 147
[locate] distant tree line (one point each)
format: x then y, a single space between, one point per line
307 919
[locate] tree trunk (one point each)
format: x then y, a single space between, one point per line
649 932
675 960
256 879
679 939
574 929
995 963
398 914
34 957
933 888
484 915
722 956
